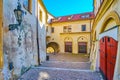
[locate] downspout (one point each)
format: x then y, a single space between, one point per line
37 36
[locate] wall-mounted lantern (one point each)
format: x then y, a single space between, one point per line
18 15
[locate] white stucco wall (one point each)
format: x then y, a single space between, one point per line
25 55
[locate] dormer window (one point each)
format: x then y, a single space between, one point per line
59 18
85 16
69 18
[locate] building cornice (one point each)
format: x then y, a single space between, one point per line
70 21
74 33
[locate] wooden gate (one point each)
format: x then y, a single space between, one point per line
108 52
68 47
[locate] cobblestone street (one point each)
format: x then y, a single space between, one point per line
62 69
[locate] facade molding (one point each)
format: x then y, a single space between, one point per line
83 38
112 15
68 39
75 33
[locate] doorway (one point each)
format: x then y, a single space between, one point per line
82 47
108 52
68 47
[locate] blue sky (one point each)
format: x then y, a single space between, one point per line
68 7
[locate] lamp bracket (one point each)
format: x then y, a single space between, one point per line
13 26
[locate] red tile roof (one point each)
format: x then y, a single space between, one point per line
82 16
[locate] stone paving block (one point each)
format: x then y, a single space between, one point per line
48 74
63 69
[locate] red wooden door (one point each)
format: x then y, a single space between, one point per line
103 56
108 52
111 57
108 47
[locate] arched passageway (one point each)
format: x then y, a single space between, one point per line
52 47
50 50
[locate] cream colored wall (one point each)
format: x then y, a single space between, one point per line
58 36
75 40
114 7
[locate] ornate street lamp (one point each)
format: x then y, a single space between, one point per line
18 13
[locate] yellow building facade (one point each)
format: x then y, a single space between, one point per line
106 27
1 34
70 34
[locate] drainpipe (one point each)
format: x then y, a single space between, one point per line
37 36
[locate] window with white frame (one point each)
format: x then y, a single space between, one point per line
83 27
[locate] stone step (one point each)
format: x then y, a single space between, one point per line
67 65
53 68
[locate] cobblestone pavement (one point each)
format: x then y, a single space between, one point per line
65 67
43 73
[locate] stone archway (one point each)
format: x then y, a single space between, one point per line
110 18
53 45
50 50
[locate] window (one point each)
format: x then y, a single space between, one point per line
52 30
69 29
83 27
85 16
28 5
40 15
69 17
65 29
47 29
